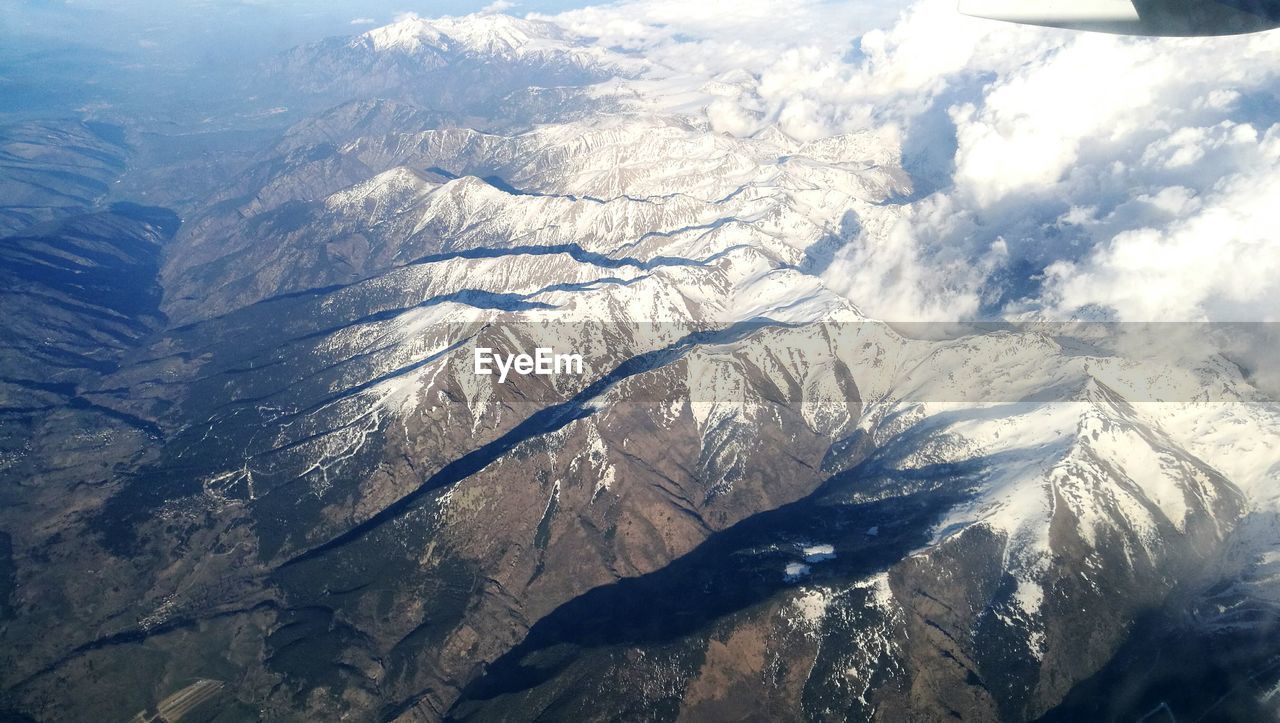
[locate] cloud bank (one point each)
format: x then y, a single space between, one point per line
1060 175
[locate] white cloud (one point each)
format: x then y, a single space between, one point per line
795 53
894 273
1129 174
1031 125
1217 257
364 21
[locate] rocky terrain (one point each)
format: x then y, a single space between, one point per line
249 472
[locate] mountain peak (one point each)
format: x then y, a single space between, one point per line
483 33
407 34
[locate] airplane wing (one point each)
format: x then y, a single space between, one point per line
1135 17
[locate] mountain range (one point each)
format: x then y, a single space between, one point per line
249 472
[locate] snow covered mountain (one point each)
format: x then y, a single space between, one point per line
754 501
461 65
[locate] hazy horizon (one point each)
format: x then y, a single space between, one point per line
75 55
